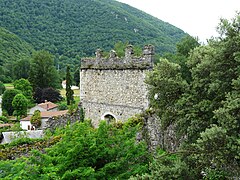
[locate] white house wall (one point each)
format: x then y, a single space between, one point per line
25 124
36 108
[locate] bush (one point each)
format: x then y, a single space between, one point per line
16 127
3 119
62 106
2 88
36 119
84 153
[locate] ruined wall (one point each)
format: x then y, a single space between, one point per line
63 120
115 86
158 137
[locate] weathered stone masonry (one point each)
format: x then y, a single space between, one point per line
114 86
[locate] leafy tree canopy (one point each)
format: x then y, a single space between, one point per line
12 51
49 94
70 29
36 119
2 88
20 104
85 153
69 91
43 74
207 112
24 86
7 99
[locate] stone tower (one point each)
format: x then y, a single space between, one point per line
113 88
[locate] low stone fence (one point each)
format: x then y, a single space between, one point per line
10 136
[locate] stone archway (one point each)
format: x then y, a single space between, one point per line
109 117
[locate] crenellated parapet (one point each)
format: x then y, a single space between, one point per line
129 61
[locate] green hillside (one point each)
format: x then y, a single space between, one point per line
74 28
12 50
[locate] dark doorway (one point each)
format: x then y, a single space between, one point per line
109 118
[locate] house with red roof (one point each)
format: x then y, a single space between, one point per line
46 106
45 115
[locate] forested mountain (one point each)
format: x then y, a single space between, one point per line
12 50
73 28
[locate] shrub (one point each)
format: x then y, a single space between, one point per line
3 119
62 106
2 88
36 119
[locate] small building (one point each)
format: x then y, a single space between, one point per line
72 87
45 115
46 106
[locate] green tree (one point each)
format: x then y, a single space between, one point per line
196 106
187 44
82 114
43 74
25 87
21 69
36 119
85 152
166 86
69 91
120 47
7 99
215 70
2 88
20 104
184 47
51 94
76 77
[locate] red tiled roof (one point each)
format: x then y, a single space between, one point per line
47 114
5 125
48 105
53 113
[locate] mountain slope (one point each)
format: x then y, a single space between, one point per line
73 28
12 49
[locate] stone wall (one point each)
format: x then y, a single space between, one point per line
115 86
10 136
62 121
157 137
129 61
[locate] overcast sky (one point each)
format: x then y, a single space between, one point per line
199 18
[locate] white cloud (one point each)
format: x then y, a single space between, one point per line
196 17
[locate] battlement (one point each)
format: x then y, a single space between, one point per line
129 61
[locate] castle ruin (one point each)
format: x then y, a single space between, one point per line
113 88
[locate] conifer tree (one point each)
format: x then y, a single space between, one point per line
69 91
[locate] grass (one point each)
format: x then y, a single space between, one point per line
76 96
76 92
